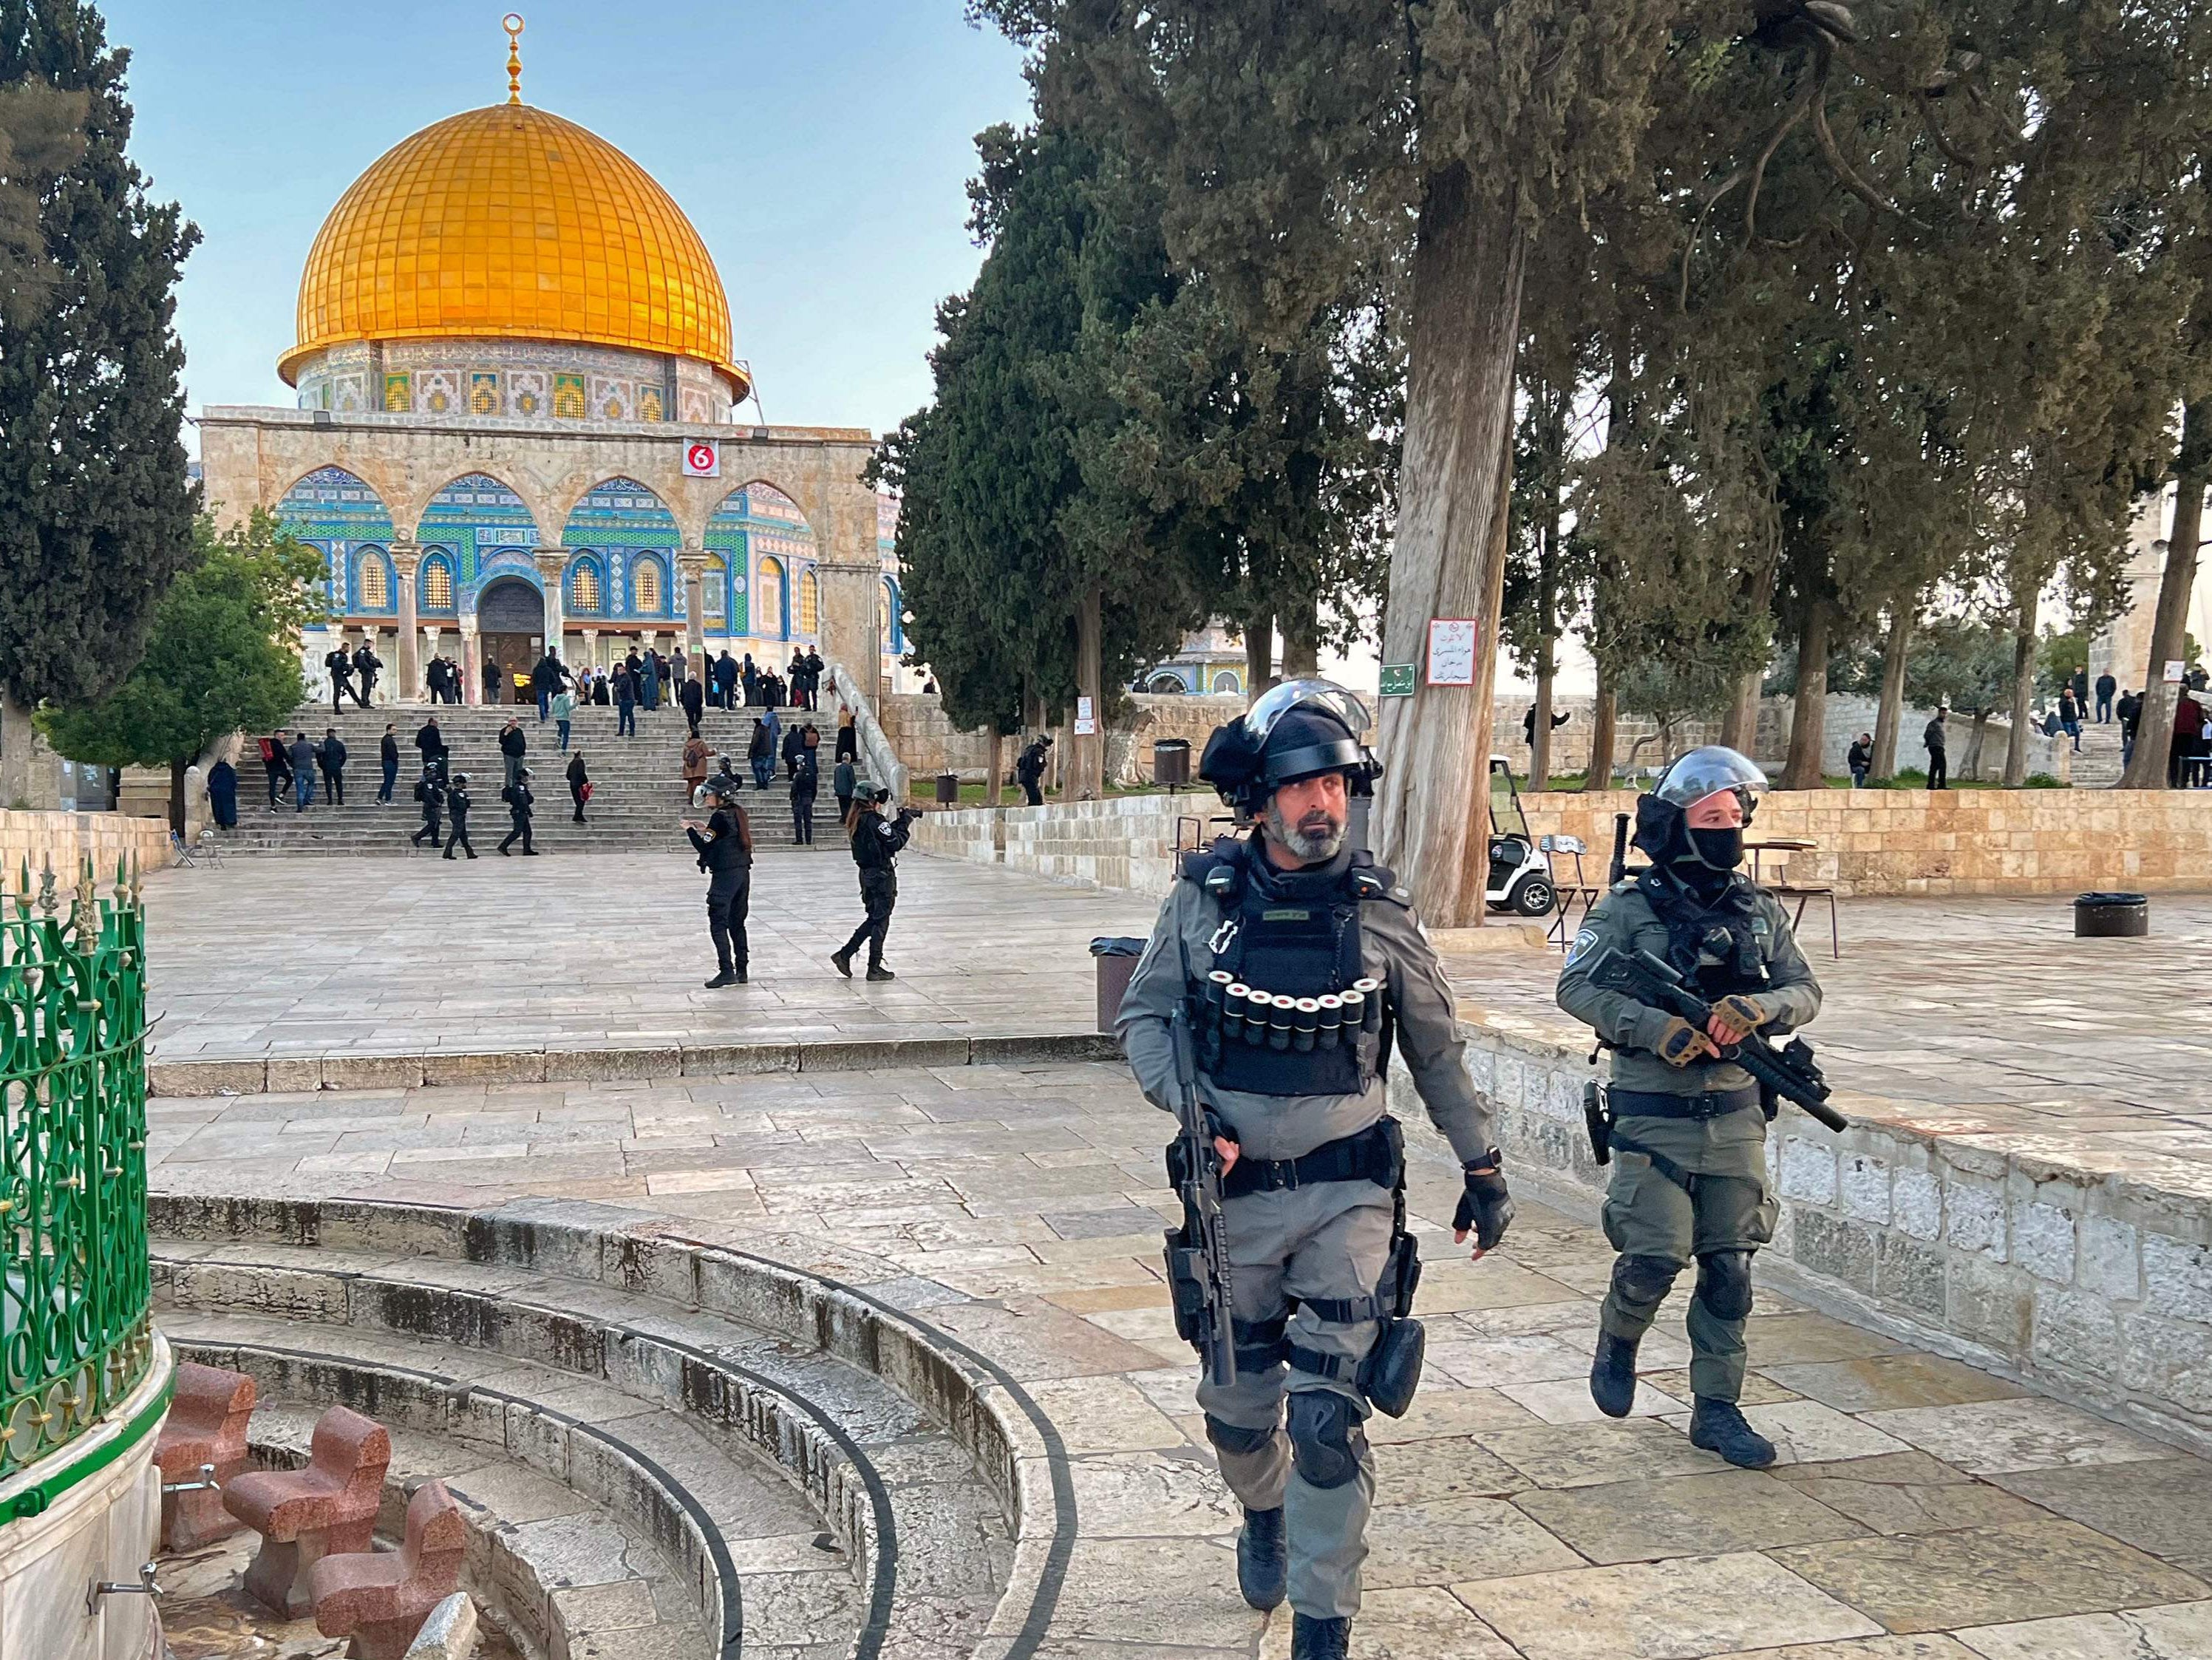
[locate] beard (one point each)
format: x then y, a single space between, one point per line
1315 838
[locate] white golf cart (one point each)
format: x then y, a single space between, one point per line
1520 873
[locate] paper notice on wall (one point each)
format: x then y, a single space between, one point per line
1087 725
2175 671
1451 651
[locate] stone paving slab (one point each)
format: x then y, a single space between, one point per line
1932 1512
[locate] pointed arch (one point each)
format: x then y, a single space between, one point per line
478 518
626 523
810 602
764 537
771 611
337 513
586 588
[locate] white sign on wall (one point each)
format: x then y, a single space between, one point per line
1451 651
1085 724
703 459
2175 671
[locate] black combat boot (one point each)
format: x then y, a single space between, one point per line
1718 1427
1319 1639
1263 1560
1612 1375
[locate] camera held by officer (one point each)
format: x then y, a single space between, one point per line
1286 969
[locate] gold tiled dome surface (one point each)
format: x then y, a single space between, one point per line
507 223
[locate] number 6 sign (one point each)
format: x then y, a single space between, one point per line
703 459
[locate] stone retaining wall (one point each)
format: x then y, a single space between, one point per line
1870 842
1948 842
2091 1284
62 838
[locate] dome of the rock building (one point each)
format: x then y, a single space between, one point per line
509 223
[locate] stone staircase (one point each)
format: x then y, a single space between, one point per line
637 791
2098 765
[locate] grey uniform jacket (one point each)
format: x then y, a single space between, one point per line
1393 950
1624 919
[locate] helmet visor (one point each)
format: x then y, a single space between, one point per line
1326 695
1708 771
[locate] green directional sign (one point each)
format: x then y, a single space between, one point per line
1397 680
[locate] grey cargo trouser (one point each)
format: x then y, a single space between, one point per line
1329 1240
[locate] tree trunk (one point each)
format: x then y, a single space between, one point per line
1547 637
1088 773
1808 717
1301 640
2170 622
995 789
2023 689
1977 738
176 803
1540 748
1740 721
1605 720
17 744
1468 258
1889 714
1259 654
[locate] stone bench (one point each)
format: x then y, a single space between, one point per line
327 1508
205 1428
380 1598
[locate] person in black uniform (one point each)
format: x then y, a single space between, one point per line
725 853
518 798
430 743
388 755
1029 770
368 665
876 844
430 791
805 781
457 804
339 662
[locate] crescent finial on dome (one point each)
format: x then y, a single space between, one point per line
513 24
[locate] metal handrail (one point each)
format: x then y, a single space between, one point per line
75 1328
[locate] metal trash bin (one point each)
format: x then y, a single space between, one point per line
1171 763
1117 961
948 789
2111 916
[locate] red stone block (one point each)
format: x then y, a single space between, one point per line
380 1598
206 1425
303 1515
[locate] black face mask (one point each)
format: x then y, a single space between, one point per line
1722 850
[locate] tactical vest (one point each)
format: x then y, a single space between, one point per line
1283 1006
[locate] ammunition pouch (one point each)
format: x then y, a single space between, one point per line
1186 1287
1392 1371
1597 1119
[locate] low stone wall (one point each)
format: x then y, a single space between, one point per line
1949 841
1123 841
2094 1285
61 839
925 740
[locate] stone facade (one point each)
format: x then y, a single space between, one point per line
59 840
2094 1284
1122 841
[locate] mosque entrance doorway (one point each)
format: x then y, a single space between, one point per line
511 632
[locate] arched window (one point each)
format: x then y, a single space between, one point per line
809 603
713 587
584 593
1167 681
645 587
768 617
437 584
1226 681
370 585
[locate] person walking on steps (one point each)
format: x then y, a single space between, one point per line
302 755
339 661
625 701
331 756
367 665
430 791
430 743
548 678
848 737
580 784
805 781
694 701
696 755
876 845
458 805
518 798
388 756
222 794
1312 1165
512 747
844 779
726 854
277 764
1689 1136
564 712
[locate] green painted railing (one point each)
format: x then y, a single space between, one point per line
75 1332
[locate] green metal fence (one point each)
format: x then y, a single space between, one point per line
76 1331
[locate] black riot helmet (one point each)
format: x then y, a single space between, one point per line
1299 729
1662 815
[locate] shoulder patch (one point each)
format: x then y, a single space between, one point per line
1585 942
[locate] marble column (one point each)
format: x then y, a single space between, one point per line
430 633
590 648
691 564
406 557
552 563
472 663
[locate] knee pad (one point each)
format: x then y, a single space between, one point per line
1724 1283
1326 1443
1645 1279
1235 1437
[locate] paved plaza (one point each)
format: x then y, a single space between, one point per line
1924 1511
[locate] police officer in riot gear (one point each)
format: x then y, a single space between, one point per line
1300 968
1688 1129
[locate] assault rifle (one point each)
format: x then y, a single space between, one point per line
1198 1251
1788 1071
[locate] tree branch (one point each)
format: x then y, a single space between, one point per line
1697 230
1813 88
1941 140
1857 186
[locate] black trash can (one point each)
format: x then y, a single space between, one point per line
2111 916
1117 960
1171 763
948 789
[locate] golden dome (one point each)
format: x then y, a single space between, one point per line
510 223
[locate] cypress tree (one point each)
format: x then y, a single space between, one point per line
95 509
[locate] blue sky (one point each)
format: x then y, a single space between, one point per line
820 146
